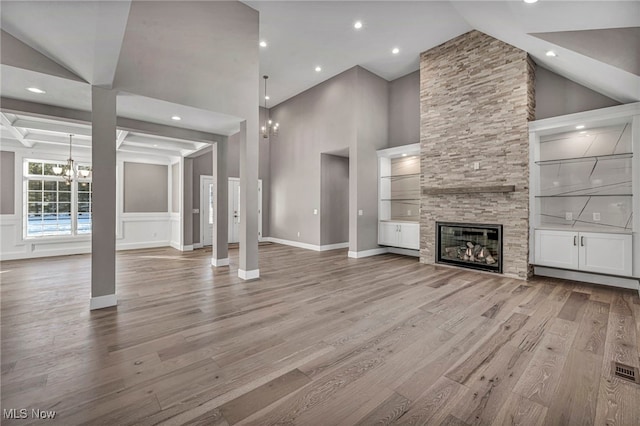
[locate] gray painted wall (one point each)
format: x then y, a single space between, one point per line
350 111
372 133
334 195
175 188
556 95
145 188
404 110
321 119
7 182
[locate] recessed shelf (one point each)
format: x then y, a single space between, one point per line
583 159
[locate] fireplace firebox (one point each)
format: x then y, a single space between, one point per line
470 245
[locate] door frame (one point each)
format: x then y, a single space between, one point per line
203 201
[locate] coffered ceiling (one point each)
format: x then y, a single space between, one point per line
85 38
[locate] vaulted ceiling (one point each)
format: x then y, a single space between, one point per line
84 40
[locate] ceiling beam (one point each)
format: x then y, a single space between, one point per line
52 127
16 133
56 140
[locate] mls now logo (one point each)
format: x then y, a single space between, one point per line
23 413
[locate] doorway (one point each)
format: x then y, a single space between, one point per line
207 199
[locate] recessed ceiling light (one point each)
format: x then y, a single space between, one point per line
530 1
318 69
551 53
395 51
36 90
176 118
580 126
267 97
357 25
584 132
155 144
404 155
263 43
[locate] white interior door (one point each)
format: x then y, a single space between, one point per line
234 210
207 197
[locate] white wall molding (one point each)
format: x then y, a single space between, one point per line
249 275
197 246
367 253
220 262
101 302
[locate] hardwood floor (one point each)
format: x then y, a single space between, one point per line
320 339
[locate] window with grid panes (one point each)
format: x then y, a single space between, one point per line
53 206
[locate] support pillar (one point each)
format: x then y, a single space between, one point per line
220 240
248 268
103 222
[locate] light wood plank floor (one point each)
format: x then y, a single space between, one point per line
320 339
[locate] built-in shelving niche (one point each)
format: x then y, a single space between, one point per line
586 179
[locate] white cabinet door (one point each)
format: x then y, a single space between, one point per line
409 236
606 253
557 249
388 234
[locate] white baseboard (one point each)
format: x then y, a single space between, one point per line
101 302
298 244
307 246
249 275
198 246
336 246
175 244
220 262
141 245
367 253
631 283
186 247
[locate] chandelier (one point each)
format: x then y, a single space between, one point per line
70 171
269 128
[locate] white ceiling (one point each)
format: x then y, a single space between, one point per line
86 38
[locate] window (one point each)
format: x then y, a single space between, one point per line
53 206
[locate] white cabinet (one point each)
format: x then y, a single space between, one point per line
388 234
557 249
398 234
605 253
584 251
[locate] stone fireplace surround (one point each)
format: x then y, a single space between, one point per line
476 99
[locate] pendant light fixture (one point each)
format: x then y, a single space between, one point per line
70 171
269 127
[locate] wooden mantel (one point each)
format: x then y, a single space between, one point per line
469 189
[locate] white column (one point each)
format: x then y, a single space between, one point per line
103 222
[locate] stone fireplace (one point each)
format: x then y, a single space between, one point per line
476 99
